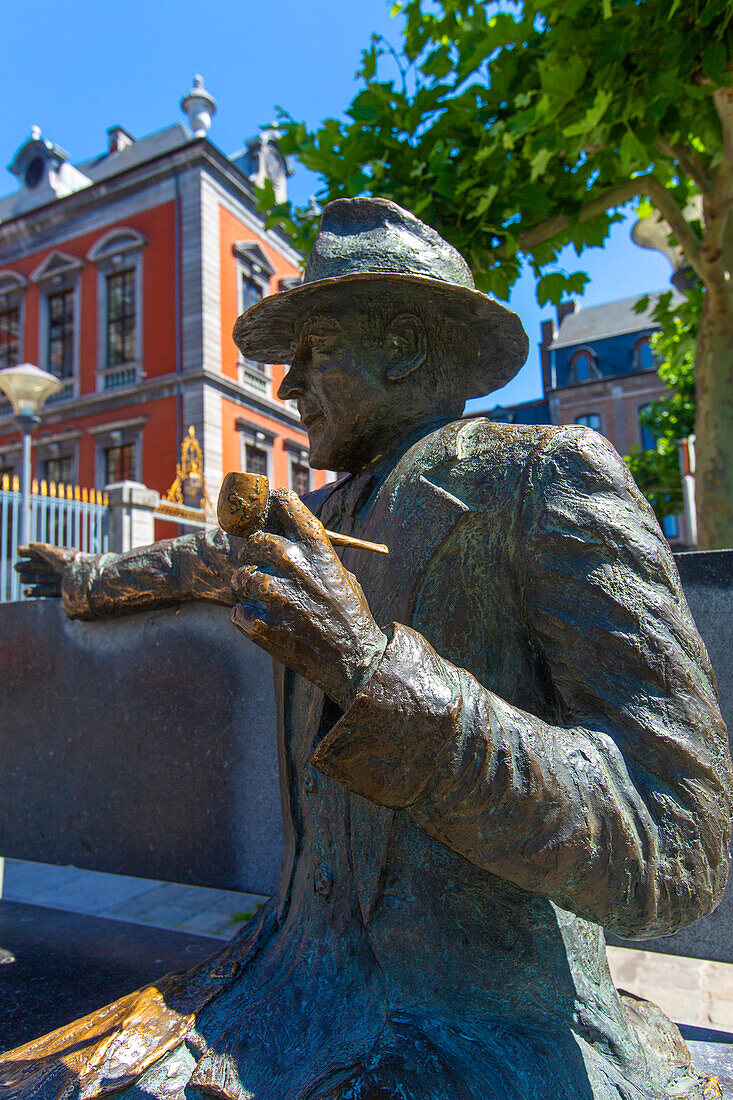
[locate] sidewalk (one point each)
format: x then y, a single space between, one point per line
195 909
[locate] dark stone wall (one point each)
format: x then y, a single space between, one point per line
142 745
707 577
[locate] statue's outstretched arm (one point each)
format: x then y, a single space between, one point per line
92 586
615 806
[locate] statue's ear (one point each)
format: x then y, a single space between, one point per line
406 346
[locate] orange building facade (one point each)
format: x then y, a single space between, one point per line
124 276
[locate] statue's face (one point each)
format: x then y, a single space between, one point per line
342 391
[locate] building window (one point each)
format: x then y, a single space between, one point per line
643 356
255 459
61 334
59 469
254 272
670 527
119 259
646 432
590 420
251 293
58 280
119 463
9 337
582 366
300 478
121 318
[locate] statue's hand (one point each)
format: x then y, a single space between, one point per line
301 605
42 567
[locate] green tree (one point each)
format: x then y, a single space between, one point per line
516 132
672 418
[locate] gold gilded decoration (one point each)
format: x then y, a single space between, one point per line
58 490
186 498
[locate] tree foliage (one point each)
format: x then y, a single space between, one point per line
518 127
671 418
515 132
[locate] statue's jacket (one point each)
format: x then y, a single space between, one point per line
539 754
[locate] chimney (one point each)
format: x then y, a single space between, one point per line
547 330
118 138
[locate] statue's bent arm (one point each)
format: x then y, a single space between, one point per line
192 567
617 805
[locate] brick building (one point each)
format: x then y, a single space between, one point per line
123 275
598 370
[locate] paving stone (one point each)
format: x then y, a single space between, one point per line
210 923
25 880
91 892
166 916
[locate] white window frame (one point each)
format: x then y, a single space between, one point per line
59 272
252 264
118 250
255 436
50 449
582 417
116 435
12 294
298 456
595 374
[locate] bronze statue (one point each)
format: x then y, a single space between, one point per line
494 740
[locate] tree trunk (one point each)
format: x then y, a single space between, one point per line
714 420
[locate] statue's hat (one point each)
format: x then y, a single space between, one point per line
376 241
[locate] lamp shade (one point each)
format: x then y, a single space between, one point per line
27 387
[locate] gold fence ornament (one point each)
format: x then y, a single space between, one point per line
189 486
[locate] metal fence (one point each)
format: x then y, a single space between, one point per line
63 515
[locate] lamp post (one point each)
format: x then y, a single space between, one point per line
27 387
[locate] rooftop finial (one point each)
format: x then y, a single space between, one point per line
199 106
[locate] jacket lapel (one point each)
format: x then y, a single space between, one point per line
414 512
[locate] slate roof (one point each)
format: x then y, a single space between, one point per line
111 164
610 319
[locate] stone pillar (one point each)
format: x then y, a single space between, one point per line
130 521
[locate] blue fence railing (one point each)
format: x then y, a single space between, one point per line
63 515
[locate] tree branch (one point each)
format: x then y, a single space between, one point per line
646 184
688 161
616 196
675 219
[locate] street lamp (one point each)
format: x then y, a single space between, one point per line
27 387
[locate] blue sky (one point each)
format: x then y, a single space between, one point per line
76 68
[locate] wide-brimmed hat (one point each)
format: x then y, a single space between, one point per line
375 241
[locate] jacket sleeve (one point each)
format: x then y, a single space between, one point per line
192 567
618 807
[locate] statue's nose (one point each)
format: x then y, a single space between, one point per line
294 382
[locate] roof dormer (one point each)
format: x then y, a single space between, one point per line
44 173
262 160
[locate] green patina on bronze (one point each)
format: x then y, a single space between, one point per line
494 741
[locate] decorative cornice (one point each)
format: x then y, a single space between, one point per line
58 263
22 230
